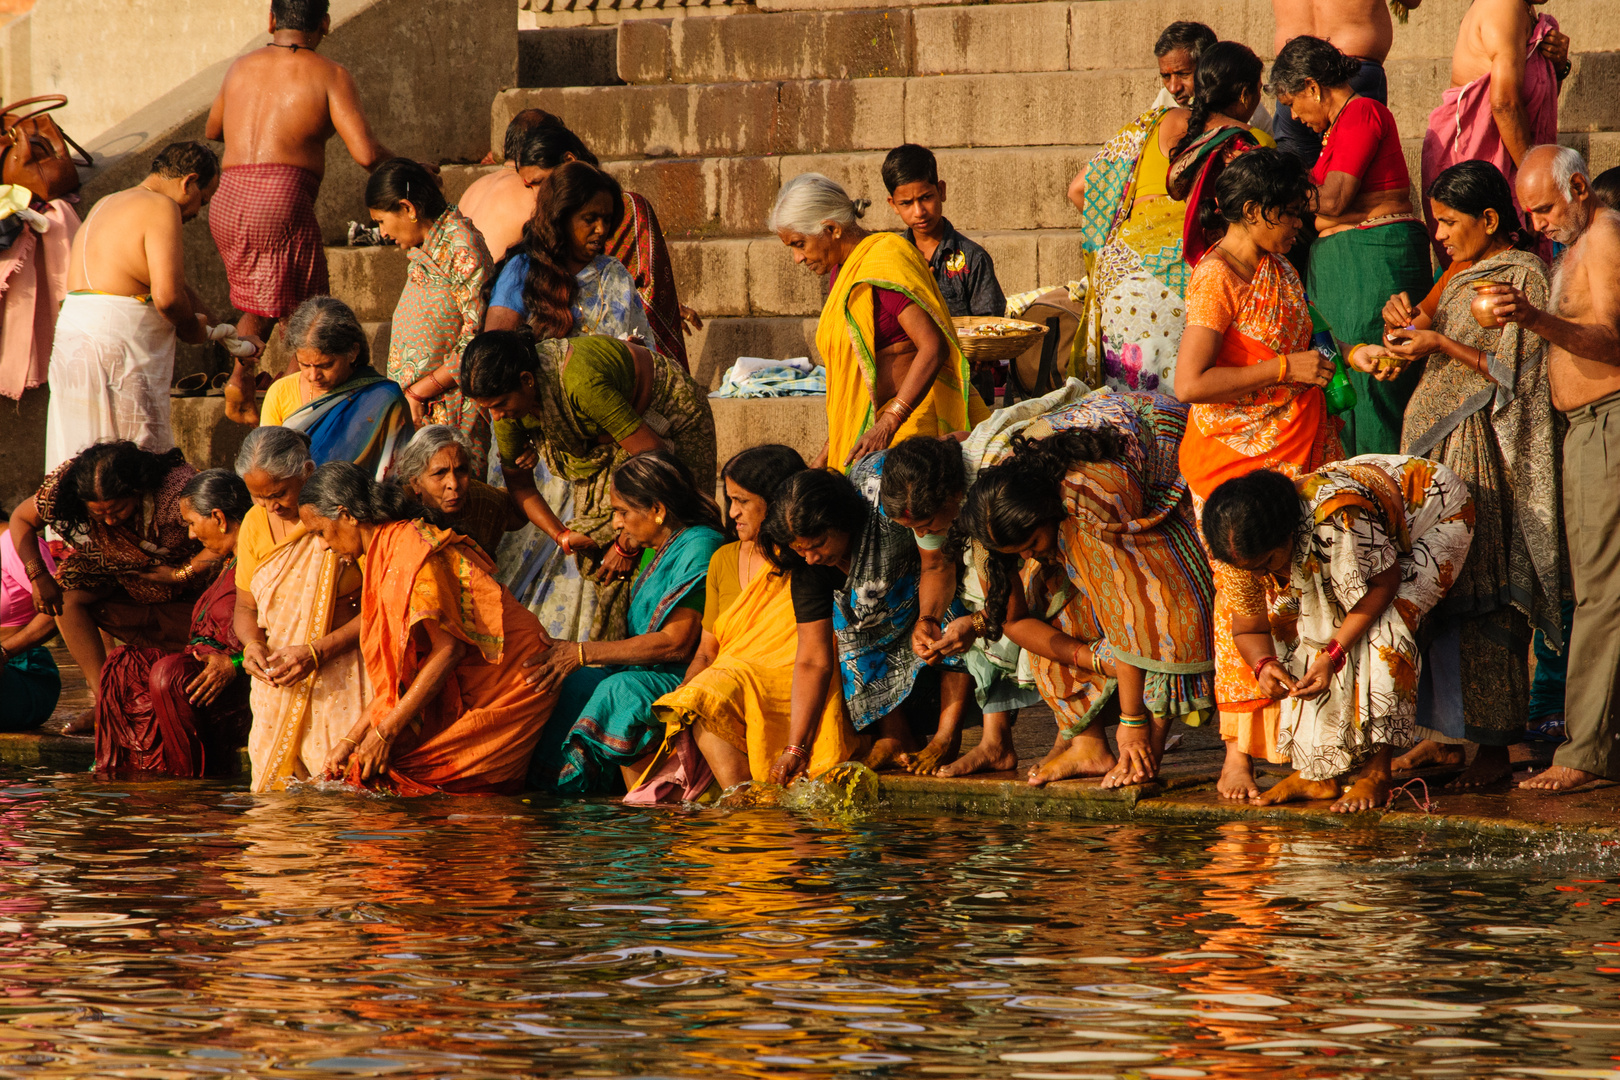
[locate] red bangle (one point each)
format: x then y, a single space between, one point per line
1336 652
1261 665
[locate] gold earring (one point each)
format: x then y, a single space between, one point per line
660 519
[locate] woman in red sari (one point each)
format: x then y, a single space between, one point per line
444 646
184 713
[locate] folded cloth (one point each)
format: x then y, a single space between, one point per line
751 377
263 222
111 364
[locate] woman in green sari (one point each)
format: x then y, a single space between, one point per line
586 404
1483 408
604 717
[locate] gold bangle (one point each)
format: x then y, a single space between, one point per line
315 654
582 662
1282 368
377 731
351 742
33 569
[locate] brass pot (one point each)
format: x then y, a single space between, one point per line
1484 307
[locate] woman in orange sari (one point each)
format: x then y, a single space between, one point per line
1254 383
443 645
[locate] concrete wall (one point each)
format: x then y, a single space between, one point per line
140 50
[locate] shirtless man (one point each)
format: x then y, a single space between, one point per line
276 111
501 203
1359 28
113 356
1506 71
1583 330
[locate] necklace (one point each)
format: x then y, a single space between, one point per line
1245 268
1335 120
747 556
294 48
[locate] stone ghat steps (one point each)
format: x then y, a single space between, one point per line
897 41
1012 109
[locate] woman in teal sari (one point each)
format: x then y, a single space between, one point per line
604 716
333 395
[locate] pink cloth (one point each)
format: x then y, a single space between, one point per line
16 594
1463 129
33 277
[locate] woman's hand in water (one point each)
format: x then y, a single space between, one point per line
787 768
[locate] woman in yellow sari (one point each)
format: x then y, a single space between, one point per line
295 615
735 701
894 366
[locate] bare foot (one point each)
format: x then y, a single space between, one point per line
1429 754
1491 765
885 753
1295 788
940 748
1367 793
83 724
1237 775
1559 779
1083 757
986 757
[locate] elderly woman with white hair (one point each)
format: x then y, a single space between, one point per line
296 615
437 467
894 366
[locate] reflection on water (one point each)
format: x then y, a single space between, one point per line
179 930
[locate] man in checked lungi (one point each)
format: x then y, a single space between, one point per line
276 111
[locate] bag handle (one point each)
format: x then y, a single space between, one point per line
56 100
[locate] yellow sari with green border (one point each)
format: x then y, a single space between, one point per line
846 335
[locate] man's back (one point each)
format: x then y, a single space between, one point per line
499 205
110 251
1360 28
281 105
1489 27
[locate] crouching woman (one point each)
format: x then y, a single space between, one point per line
443 646
1362 549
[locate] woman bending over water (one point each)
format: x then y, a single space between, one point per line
1362 549
443 644
1114 595
736 699
854 580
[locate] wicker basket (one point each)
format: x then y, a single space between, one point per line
988 348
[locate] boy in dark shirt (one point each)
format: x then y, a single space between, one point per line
964 270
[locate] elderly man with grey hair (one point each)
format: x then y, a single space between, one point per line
437 466
1583 330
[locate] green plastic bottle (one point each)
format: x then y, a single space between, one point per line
1340 391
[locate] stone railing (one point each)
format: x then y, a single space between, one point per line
544 14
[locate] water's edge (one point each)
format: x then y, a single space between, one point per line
1183 798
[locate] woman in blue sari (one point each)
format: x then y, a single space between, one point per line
855 574
670 530
333 395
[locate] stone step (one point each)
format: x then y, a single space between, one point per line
721 341
705 198
739 423
568 56
368 279
742 277
749 119
1000 37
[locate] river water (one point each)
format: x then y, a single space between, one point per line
194 930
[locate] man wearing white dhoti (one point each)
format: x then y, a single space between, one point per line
127 304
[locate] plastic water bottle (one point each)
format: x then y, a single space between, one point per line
1340 392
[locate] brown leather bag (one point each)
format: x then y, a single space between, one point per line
34 151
